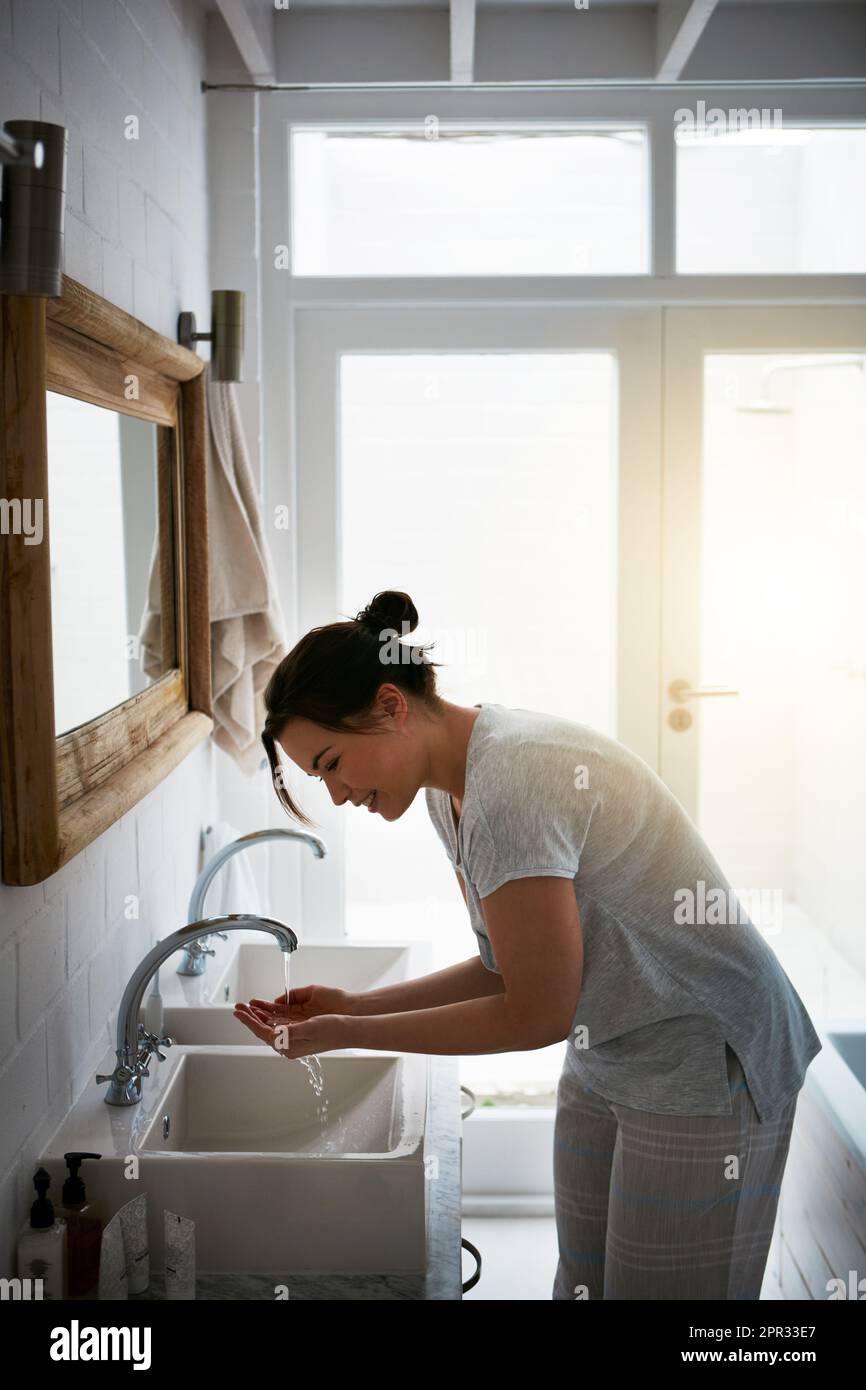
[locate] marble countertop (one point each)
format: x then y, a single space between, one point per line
443 1279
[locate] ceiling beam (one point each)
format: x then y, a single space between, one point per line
253 36
679 25
462 21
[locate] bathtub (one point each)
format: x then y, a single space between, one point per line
837 1079
820 1237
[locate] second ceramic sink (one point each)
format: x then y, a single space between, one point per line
247 969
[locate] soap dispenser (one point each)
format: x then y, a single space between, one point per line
84 1232
42 1245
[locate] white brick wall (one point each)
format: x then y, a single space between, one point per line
136 232
136 221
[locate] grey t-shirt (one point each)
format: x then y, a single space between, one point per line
663 990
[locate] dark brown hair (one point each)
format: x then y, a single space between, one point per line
332 675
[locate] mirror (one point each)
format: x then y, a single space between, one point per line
108 588
105 681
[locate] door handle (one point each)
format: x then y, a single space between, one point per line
681 691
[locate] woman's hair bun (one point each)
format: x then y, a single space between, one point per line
389 609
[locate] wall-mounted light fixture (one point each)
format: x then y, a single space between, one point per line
226 336
33 155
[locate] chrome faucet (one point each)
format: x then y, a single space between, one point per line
194 957
135 1046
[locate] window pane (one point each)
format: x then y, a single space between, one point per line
485 485
771 201
469 202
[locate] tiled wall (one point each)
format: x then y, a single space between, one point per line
137 233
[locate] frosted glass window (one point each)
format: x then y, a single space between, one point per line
469 202
484 485
771 201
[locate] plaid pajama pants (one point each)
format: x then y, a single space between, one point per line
652 1206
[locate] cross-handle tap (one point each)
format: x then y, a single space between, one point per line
195 951
148 1044
152 1043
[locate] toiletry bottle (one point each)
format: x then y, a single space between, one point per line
179 1255
42 1245
83 1232
112 1262
133 1224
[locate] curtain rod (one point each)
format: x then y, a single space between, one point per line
554 85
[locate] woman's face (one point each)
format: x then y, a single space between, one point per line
352 765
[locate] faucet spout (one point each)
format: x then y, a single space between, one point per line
134 1045
193 961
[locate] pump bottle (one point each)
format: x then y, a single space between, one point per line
84 1232
42 1246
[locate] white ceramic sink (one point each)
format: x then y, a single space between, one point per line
252 1101
199 1009
278 1179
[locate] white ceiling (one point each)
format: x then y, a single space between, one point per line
315 42
266 7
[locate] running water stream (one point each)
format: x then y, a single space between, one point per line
312 1063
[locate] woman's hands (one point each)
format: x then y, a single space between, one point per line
309 1001
308 1024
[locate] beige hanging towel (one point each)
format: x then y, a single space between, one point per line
247 627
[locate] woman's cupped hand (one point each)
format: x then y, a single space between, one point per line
308 1022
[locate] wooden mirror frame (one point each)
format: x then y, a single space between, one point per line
60 793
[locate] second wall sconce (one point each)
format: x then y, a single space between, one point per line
226 336
33 156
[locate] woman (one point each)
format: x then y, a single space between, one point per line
602 918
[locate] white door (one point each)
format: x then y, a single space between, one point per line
763 732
